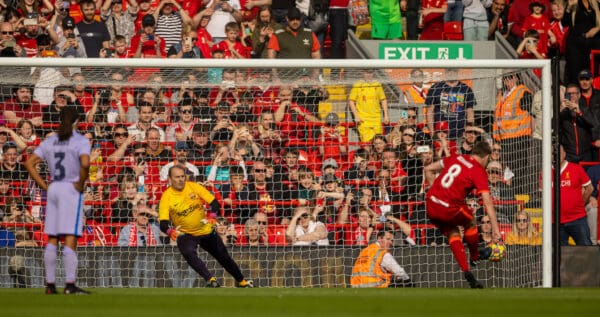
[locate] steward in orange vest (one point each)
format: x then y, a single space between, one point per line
512 121
375 266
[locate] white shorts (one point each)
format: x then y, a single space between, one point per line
64 210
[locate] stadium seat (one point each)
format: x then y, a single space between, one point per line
453 31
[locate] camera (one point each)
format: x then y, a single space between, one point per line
568 96
71 35
32 19
9 43
150 37
109 52
104 96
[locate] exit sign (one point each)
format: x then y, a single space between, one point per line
423 51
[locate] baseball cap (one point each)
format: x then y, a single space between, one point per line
330 163
181 145
332 119
585 74
68 23
294 14
148 20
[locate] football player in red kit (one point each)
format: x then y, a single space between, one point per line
447 209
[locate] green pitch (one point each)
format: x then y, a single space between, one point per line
303 302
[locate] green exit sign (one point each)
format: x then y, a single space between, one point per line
421 51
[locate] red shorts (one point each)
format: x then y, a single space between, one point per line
447 218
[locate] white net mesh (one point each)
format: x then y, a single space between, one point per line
268 142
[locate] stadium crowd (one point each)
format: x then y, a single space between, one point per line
283 175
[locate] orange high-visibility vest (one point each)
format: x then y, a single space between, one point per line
367 270
511 120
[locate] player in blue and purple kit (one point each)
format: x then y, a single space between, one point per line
68 157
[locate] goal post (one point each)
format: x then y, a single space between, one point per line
282 264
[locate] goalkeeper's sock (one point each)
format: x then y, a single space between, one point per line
458 250
50 263
472 239
70 262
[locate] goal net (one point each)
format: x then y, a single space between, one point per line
308 159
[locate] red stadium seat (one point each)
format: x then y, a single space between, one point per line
453 31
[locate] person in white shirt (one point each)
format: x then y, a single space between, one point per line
303 230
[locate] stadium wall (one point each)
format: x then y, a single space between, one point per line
273 267
580 266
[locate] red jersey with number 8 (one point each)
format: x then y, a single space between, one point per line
459 176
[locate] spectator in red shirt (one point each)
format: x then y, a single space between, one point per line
575 191
231 46
558 31
146 43
290 114
22 106
333 140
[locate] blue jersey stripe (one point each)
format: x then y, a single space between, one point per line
79 209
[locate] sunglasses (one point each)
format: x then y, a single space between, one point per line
521 220
494 172
261 222
186 111
139 154
409 134
412 117
8 32
484 222
260 170
121 135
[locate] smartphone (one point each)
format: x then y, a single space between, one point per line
568 96
188 41
30 21
71 36
151 37
9 43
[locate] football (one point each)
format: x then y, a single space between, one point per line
498 251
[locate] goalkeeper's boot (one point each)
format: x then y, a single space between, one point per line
245 284
50 289
213 283
71 289
473 282
484 254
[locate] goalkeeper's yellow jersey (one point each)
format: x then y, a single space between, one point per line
185 208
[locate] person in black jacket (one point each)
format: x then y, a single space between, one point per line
578 126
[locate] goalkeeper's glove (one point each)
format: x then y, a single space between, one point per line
174 233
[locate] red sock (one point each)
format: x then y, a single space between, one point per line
472 239
458 250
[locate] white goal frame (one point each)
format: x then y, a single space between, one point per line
546 84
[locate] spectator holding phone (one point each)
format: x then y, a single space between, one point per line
116 20
146 43
69 44
8 44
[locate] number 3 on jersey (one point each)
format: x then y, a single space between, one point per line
59 169
451 175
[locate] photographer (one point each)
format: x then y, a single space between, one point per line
70 44
102 111
223 127
8 45
528 48
63 97
578 125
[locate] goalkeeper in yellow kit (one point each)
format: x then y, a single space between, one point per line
182 204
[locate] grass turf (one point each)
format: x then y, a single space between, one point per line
268 302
